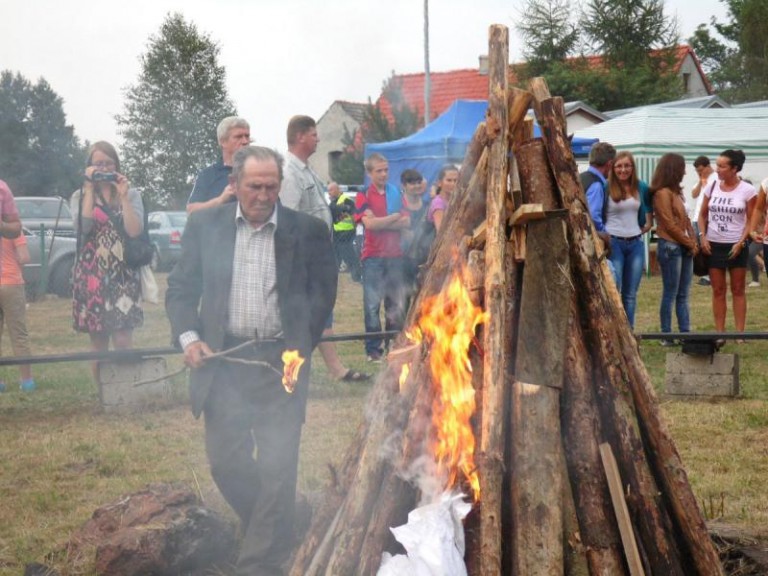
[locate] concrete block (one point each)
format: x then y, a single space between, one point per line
715 375
117 384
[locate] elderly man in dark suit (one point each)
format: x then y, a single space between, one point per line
252 270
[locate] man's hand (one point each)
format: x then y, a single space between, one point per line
196 354
227 194
606 238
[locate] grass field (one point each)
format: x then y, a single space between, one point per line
61 457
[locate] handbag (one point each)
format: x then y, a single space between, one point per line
137 250
149 290
701 264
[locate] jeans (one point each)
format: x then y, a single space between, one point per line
382 282
628 257
676 265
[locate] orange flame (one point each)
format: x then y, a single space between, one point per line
448 322
292 362
404 371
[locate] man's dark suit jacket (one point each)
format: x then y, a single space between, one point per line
199 286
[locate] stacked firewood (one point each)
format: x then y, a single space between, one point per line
578 473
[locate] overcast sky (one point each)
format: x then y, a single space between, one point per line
282 57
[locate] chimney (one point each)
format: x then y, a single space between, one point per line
483 65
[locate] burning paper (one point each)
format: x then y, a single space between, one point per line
433 539
292 362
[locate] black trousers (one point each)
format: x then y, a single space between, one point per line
248 409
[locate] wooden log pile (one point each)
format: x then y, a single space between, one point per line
578 473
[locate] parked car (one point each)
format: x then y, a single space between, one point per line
51 211
61 252
165 230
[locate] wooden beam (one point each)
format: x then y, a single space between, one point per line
491 461
631 553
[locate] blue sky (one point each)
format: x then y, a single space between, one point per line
282 57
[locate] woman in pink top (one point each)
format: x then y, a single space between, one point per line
13 304
447 179
724 228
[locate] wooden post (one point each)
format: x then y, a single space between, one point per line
494 335
582 434
614 357
537 474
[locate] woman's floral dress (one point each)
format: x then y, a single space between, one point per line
107 292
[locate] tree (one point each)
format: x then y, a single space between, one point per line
736 59
635 41
349 168
39 152
549 34
390 118
629 33
171 113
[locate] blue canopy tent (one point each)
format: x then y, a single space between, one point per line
444 141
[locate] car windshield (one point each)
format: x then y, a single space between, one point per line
178 220
42 208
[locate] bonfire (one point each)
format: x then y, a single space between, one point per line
517 387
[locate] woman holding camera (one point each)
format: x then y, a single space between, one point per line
724 228
107 292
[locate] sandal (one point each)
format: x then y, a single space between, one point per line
355 376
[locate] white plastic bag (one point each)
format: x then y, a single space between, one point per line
149 290
433 539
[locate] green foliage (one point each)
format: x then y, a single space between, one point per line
349 168
736 57
549 33
626 31
39 152
636 41
375 127
171 113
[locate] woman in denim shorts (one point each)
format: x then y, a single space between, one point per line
724 228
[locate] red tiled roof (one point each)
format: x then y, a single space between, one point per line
446 87
469 84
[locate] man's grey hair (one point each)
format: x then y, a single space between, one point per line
260 153
229 123
601 153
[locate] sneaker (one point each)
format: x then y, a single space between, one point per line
754 284
28 385
374 357
669 343
704 281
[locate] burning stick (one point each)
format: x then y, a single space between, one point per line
292 363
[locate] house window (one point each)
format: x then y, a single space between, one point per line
333 161
686 81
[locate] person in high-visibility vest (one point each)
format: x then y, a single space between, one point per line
342 210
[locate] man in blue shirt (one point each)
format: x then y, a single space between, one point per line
212 183
595 182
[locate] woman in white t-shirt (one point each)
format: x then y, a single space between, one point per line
724 228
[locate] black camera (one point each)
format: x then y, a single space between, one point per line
104 177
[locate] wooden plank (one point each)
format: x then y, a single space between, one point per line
538 463
526 213
622 512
